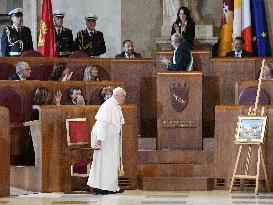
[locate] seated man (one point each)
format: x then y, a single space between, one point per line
182 57
239 52
22 72
76 97
128 50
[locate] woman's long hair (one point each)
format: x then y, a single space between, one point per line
57 71
42 96
186 12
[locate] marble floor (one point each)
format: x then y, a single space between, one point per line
138 197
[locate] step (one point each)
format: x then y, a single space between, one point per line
171 170
175 156
176 183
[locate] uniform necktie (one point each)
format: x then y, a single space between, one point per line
59 31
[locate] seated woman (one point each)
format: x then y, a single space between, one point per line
106 93
268 72
43 96
60 73
91 73
184 25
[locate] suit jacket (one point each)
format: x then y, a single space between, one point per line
16 77
182 58
64 42
243 55
11 40
93 45
122 55
189 33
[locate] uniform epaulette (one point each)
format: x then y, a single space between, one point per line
66 29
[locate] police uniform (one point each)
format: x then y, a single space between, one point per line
90 42
16 40
63 38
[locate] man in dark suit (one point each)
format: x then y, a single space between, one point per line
90 40
182 57
128 50
63 36
16 38
22 72
239 52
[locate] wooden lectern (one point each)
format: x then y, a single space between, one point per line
179 114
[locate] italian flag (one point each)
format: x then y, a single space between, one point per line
242 23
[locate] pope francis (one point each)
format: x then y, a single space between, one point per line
106 142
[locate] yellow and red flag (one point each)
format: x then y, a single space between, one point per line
225 36
46 41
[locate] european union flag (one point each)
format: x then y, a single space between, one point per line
261 43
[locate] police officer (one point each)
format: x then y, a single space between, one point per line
63 35
16 38
90 40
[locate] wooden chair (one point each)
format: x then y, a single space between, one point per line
248 96
77 138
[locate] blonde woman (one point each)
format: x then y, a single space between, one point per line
91 73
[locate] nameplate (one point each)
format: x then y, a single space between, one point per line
179 123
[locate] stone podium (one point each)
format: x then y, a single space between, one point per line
179 114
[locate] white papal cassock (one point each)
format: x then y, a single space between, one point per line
106 161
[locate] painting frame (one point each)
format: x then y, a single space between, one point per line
250 129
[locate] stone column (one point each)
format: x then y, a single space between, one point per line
170 8
30 9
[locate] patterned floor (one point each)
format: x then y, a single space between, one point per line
137 197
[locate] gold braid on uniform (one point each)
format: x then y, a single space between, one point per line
89 45
13 44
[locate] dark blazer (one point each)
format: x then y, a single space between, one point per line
122 55
243 55
182 58
189 34
16 77
10 40
64 42
93 45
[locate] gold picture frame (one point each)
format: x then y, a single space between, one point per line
250 129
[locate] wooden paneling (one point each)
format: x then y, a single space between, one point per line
54 157
226 118
183 137
4 152
139 78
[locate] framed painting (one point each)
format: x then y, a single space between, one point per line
250 129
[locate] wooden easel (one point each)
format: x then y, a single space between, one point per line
252 112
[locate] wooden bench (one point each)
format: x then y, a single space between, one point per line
53 157
4 152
